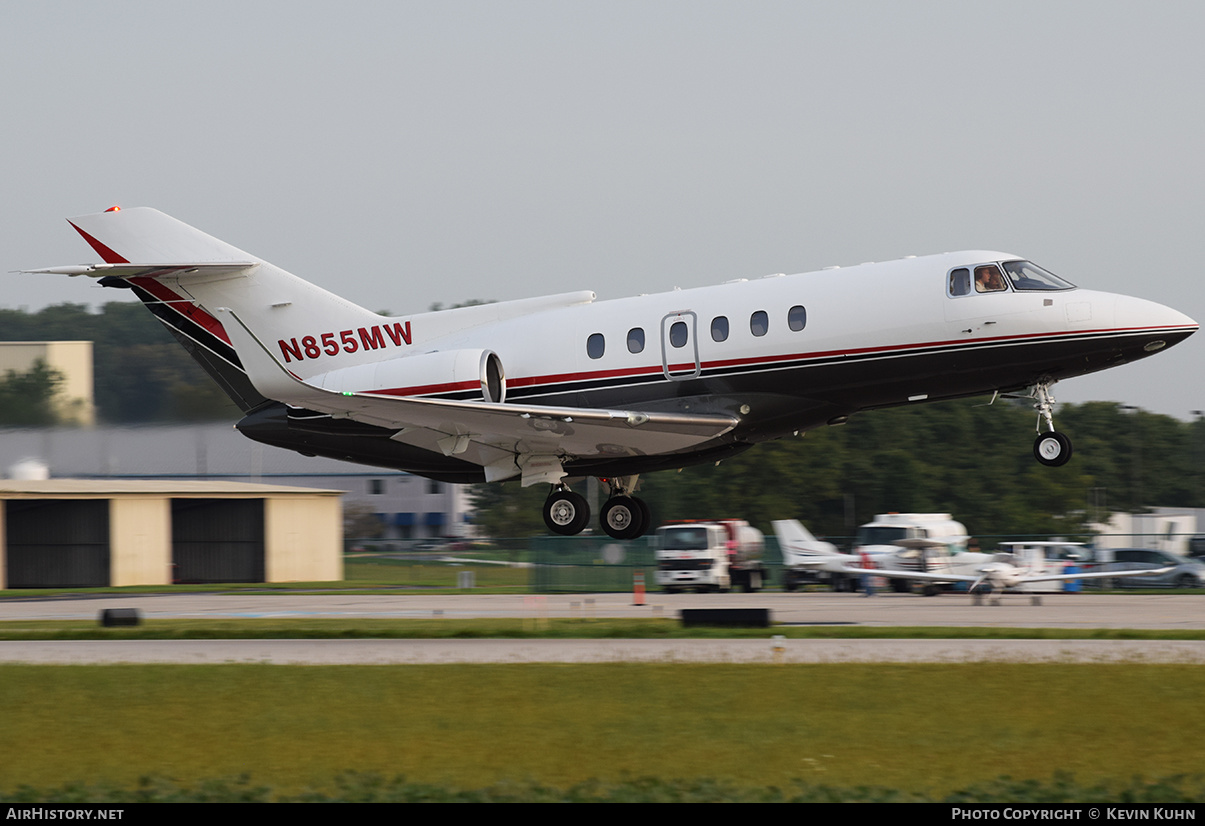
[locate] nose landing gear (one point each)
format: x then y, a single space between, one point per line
1051 448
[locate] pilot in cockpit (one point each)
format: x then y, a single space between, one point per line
988 279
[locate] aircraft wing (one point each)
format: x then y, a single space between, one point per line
892 573
1096 575
506 439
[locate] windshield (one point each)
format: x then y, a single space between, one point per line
1025 275
684 539
880 535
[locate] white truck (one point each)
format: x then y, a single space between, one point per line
879 539
710 556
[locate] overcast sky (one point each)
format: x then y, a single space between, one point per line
405 153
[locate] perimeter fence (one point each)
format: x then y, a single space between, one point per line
583 564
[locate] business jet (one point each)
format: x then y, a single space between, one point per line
546 390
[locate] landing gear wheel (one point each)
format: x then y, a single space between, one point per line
753 582
1052 449
646 517
566 512
623 517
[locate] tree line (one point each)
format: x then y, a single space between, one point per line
140 373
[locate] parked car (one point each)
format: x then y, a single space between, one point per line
1186 573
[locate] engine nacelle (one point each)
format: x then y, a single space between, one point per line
458 374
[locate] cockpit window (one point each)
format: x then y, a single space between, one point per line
1027 276
988 279
960 281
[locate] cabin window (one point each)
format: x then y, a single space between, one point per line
988 279
595 345
759 323
797 318
960 281
719 328
636 340
678 333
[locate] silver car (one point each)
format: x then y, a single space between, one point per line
1186 573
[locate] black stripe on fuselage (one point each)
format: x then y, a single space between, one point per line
1056 344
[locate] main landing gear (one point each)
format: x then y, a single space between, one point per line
1051 448
623 517
566 512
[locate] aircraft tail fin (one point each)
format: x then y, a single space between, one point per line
797 541
124 236
183 275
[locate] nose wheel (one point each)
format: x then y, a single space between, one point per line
1052 449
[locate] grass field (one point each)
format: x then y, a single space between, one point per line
660 729
532 627
909 727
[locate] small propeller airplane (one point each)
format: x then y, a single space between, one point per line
1005 571
546 390
806 558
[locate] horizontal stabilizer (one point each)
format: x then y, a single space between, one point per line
150 270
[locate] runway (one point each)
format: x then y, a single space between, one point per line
415 652
824 608
1079 611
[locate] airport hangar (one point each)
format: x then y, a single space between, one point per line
110 532
406 507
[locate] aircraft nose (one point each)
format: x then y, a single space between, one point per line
1159 326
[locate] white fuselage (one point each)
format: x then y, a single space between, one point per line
695 374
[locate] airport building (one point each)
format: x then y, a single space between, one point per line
395 504
72 360
64 533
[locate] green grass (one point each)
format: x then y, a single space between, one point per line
606 628
360 571
913 728
361 575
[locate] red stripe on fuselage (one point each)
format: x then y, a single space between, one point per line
760 361
428 389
